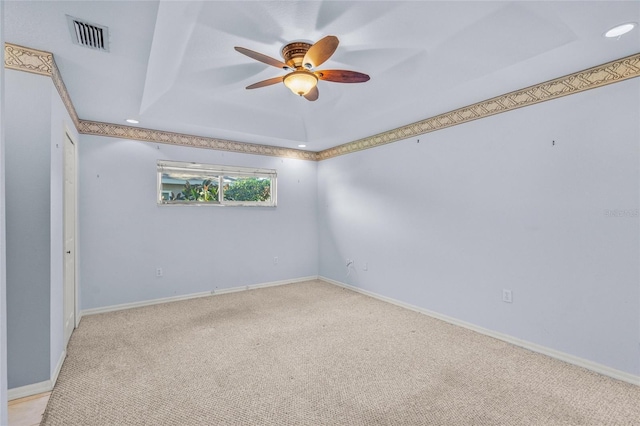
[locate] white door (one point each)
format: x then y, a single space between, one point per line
69 237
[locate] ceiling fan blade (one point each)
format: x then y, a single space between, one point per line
320 51
263 83
312 95
342 76
262 58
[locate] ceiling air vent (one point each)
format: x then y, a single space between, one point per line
88 35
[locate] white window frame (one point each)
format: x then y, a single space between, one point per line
219 172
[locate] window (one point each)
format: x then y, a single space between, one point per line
206 184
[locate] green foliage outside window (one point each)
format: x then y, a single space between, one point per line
207 191
248 189
243 189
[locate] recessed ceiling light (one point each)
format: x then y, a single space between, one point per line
302 145
619 30
132 121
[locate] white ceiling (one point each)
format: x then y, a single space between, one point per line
172 64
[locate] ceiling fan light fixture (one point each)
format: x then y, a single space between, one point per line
300 82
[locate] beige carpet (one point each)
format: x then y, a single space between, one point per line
315 354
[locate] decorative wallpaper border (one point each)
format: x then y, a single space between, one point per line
601 75
26 59
158 136
41 62
64 94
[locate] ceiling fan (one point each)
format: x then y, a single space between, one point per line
301 59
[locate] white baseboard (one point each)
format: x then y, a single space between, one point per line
123 306
56 372
263 285
562 356
29 390
112 308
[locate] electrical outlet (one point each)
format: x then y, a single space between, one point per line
275 260
507 296
365 267
159 272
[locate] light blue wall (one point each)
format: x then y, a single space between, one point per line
124 236
447 223
28 170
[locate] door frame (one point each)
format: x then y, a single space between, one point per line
68 134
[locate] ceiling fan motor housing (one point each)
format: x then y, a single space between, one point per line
293 53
